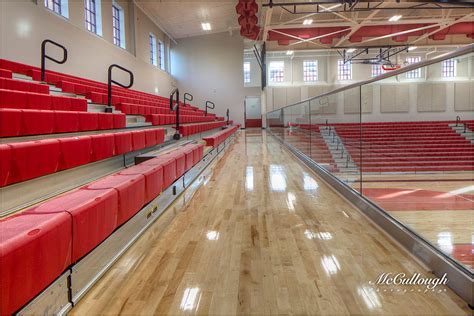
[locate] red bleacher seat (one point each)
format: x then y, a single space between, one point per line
29 100
34 159
217 138
5 73
93 214
75 151
189 157
66 121
19 85
37 122
10 122
88 121
123 143
169 168
138 140
150 137
153 179
5 164
106 120
131 193
103 146
35 250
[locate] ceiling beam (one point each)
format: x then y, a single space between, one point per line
300 39
356 28
268 20
443 25
319 36
398 33
373 22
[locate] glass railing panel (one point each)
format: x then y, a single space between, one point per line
298 115
336 153
417 157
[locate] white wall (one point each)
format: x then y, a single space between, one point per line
210 67
25 24
431 97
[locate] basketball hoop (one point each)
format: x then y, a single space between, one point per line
390 67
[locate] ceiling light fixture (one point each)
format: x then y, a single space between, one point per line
412 48
289 53
308 22
395 18
351 50
206 26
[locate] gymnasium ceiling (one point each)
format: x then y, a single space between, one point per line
353 25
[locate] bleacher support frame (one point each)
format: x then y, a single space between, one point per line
72 285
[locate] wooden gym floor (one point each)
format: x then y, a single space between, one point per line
264 235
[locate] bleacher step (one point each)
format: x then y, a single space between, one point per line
138 124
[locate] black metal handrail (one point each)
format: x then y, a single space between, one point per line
227 114
175 108
110 81
458 120
188 97
208 106
44 56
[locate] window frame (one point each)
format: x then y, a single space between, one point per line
153 50
448 70
310 70
90 10
276 75
246 70
118 25
161 55
59 7
416 73
344 70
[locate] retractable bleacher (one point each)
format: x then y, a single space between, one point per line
43 241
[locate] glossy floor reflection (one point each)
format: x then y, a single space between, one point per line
265 236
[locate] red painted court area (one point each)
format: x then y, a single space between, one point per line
394 199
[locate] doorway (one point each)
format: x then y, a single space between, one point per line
253 112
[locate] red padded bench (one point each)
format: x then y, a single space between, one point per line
35 249
11 84
28 100
217 138
5 73
39 244
14 122
187 130
32 159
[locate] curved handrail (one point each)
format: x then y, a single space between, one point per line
188 97
456 53
458 120
208 103
110 81
44 56
173 107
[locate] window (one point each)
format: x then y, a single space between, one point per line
310 70
448 68
91 16
414 74
118 25
344 70
246 72
153 56
377 70
277 71
161 53
58 6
